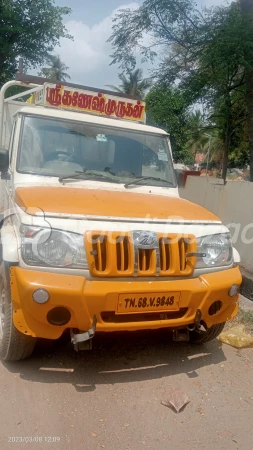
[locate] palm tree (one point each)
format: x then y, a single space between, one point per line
217 149
198 139
133 84
56 70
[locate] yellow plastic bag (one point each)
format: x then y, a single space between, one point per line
237 337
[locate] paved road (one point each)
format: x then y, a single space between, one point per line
111 397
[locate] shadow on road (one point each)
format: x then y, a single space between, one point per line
116 358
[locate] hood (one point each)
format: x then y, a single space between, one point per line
99 203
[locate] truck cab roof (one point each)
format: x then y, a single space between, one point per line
88 118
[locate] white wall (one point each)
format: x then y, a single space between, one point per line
232 203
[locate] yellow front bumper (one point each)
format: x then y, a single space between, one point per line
85 298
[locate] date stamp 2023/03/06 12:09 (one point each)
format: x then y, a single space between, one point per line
34 439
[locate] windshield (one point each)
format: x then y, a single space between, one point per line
64 148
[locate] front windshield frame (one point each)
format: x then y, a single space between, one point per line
100 128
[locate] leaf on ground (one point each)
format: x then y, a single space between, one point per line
94 434
175 400
200 410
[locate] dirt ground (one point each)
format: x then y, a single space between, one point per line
110 398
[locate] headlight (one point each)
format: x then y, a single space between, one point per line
217 249
55 248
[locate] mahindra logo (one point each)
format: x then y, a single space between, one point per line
145 239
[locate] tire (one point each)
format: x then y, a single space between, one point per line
14 345
209 335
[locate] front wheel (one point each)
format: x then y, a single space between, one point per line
13 344
209 335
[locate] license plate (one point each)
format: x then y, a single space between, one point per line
136 303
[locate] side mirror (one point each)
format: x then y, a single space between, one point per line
4 160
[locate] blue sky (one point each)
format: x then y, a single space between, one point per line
90 23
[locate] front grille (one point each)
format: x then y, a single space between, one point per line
115 255
111 317
110 254
173 255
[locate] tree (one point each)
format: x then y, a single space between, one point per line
206 52
221 62
247 11
234 115
165 22
197 137
216 149
28 29
167 108
56 70
239 145
133 84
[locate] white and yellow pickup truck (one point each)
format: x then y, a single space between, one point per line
94 236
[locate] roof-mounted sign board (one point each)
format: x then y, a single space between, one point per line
99 103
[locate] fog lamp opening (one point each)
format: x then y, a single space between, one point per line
41 296
59 316
215 308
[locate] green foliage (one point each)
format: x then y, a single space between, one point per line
187 37
167 108
133 84
15 90
239 156
213 71
56 70
28 29
205 54
246 317
197 135
247 14
237 113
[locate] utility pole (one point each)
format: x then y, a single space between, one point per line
208 153
21 65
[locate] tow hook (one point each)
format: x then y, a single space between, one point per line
83 341
197 326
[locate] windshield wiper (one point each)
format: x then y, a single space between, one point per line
87 176
139 180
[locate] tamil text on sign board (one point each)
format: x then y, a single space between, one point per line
92 102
